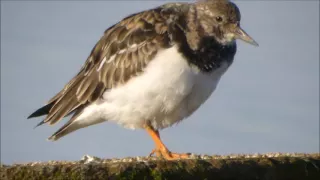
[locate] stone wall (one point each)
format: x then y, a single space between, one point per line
265 167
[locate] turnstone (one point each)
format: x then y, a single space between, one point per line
151 70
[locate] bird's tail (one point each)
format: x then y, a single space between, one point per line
74 124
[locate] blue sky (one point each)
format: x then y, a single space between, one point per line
268 101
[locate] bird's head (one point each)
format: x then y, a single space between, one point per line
220 19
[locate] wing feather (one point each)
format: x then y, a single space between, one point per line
123 52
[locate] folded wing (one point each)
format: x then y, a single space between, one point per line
122 53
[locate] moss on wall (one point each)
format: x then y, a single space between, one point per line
244 167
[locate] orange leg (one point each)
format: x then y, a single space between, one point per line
161 150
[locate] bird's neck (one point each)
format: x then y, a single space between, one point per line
209 55
202 51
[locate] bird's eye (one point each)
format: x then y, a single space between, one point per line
219 19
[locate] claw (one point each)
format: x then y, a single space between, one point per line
168 155
161 150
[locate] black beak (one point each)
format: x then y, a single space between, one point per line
241 34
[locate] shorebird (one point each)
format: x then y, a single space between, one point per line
151 70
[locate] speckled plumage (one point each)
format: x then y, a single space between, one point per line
155 67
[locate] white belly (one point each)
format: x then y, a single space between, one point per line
168 91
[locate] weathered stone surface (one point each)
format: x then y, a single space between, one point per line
273 166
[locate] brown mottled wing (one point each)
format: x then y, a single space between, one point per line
123 52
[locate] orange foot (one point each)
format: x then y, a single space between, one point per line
161 150
166 154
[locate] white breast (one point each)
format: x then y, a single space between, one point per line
168 91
